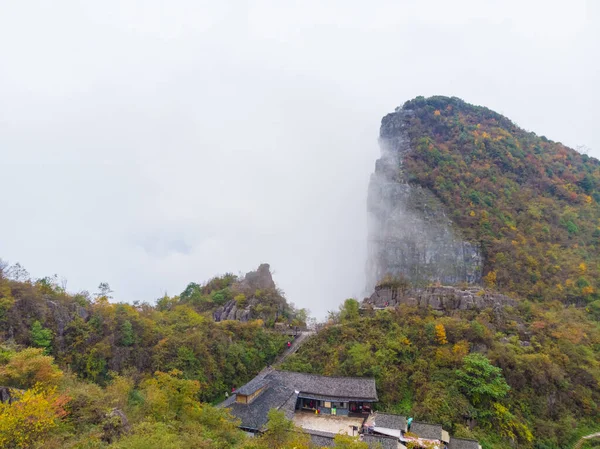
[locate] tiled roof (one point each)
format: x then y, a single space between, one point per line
385 442
389 421
354 388
253 386
254 415
426 430
462 443
321 439
281 392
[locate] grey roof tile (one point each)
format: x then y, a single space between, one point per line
281 392
354 388
384 442
254 415
253 386
462 443
426 430
321 439
389 421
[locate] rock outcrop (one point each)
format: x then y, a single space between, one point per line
231 310
5 395
261 298
409 233
438 298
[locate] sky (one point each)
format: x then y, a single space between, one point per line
149 144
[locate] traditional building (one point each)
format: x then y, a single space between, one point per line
324 406
294 392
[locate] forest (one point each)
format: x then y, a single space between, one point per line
527 376
87 372
532 205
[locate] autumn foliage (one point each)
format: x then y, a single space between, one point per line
531 204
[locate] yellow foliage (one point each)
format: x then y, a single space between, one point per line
490 279
587 290
460 349
472 213
437 112
582 267
28 368
440 334
508 426
24 423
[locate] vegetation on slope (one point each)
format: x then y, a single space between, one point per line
528 375
96 338
57 410
532 204
89 373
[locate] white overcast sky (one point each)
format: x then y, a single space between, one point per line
149 144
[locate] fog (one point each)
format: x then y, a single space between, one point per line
150 144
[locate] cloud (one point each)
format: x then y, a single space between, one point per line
151 144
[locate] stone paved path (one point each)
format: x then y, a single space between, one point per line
587 437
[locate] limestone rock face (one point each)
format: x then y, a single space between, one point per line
409 231
231 311
438 298
270 304
261 279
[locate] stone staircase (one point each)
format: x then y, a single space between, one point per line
582 440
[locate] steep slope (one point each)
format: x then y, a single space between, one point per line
462 195
409 231
528 204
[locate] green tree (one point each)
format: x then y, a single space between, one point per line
127 336
281 433
481 381
28 367
348 442
349 311
41 337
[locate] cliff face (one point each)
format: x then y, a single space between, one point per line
409 232
438 298
261 299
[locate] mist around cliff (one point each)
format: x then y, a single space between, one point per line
149 146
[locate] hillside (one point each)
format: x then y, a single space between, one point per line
527 375
483 255
529 204
96 338
84 372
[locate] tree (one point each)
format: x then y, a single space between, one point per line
18 273
481 381
440 334
169 397
342 441
104 291
28 367
281 433
41 337
28 420
127 336
349 311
